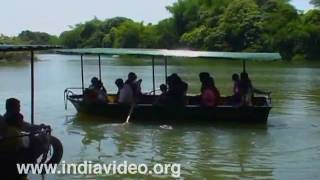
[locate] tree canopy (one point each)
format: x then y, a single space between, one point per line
217 25
316 3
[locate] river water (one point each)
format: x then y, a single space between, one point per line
287 147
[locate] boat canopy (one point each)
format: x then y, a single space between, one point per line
7 48
173 53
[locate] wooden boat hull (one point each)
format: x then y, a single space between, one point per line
147 113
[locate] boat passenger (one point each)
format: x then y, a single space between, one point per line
176 95
96 90
203 76
119 83
13 111
131 90
210 95
247 90
161 100
236 97
14 120
3 127
12 150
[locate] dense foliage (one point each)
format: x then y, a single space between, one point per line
315 3
216 25
29 37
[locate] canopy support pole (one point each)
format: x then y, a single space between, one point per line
244 65
153 77
82 78
99 67
32 87
166 69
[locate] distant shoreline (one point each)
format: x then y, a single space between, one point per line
14 57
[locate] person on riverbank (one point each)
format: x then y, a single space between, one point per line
131 90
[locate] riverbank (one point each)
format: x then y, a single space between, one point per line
14 57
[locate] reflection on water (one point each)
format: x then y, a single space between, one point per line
287 147
221 151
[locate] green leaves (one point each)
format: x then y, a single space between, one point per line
316 3
219 25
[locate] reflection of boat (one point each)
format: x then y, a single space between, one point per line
144 111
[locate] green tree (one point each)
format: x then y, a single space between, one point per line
72 38
127 35
241 26
29 37
167 36
316 3
195 38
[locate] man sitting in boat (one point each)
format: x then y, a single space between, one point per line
177 92
210 95
14 119
19 147
131 90
96 91
12 150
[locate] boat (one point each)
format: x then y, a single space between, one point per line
145 112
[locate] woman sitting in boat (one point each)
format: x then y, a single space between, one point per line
131 90
210 95
246 90
96 90
177 92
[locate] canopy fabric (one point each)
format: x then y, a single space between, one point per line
173 53
6 48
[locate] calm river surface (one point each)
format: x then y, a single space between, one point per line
288 147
